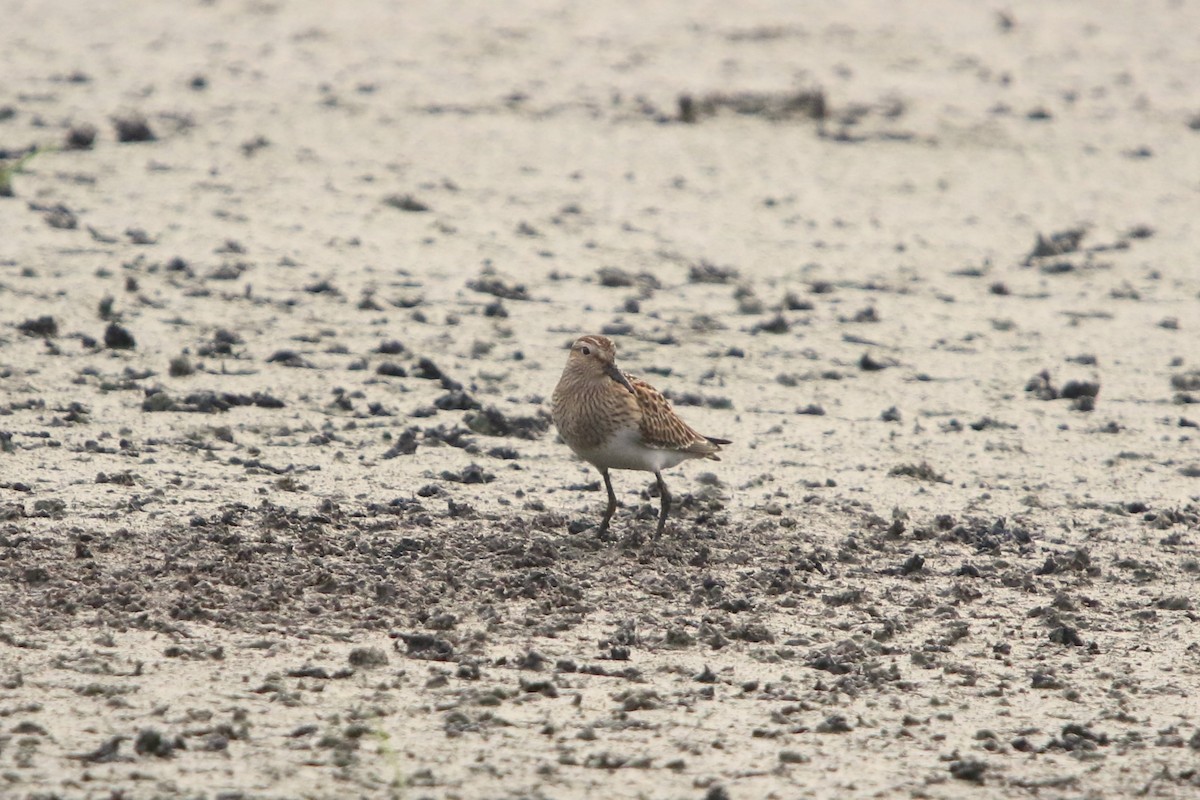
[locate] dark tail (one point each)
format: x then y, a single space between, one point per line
717 441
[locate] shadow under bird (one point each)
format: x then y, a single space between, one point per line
613 420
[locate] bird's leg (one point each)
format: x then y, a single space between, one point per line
665 496
612 503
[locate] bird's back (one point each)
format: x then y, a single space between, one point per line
660 427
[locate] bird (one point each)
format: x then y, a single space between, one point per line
614 420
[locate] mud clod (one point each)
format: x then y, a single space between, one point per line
133 128
493 422
1057 244
969 769
45 326
472 473
426 647
118 338
707 272
493 285
150 742
405 202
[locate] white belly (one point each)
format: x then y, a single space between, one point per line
625 451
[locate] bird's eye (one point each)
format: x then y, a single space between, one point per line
587 351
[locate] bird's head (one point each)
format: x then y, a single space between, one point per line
596 356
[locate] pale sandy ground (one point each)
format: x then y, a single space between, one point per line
256 601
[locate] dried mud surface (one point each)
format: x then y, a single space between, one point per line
281 510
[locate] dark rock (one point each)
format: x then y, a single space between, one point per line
427 370
1186 381
1074 389
290 358
117 338
615 277
493 285
455 436
968 769
221 345
206 402
405 202
1078 738
150 742
81 137
264 400
140 237
868 364
1057 244
426 646
1066 635
706 272
493 422
35 576
405 445
776 324
921 471
456 401
180 367
59 216
1084 403
472 473
833 724
42 326
1041 387
133 128
391 369
321 287
794 302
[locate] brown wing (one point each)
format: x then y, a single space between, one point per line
661 427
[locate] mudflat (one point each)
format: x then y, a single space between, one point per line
285 288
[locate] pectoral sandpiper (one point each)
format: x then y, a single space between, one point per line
616 421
